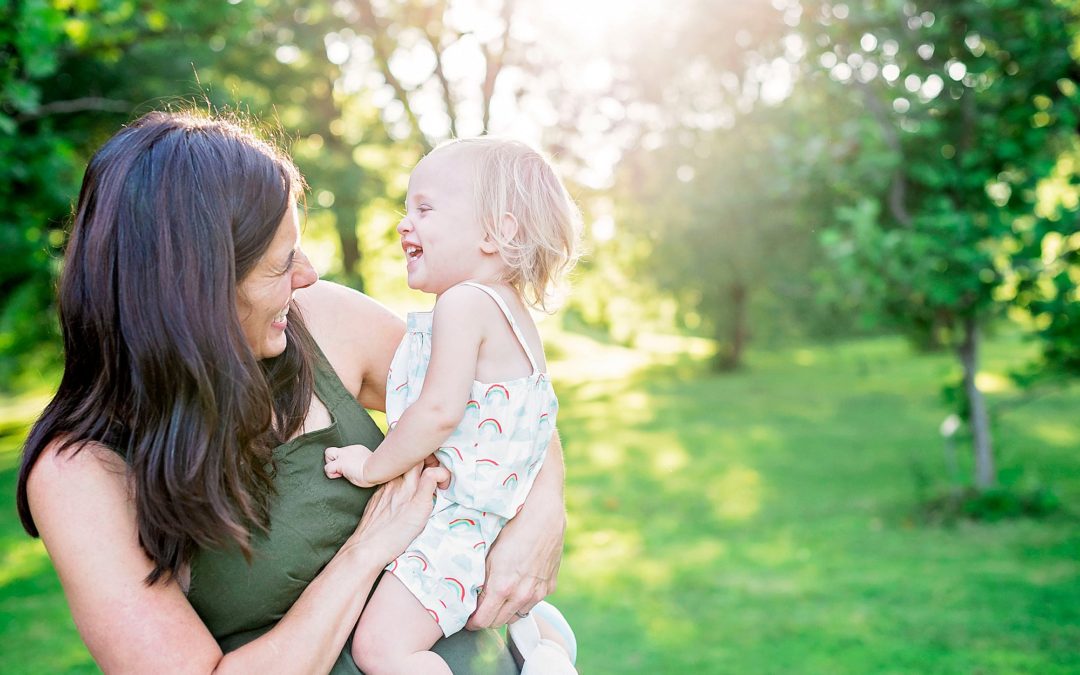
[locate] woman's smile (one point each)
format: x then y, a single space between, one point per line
264 297
280 321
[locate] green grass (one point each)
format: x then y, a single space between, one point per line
761 522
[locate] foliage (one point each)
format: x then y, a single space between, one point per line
35 176
722 215
974 103
71 73
973 107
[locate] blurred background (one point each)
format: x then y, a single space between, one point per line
818 367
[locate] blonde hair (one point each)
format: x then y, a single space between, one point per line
512 177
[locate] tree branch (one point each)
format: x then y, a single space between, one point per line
494 62
433 40
375 28
76 105
898 183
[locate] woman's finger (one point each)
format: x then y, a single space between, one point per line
493 603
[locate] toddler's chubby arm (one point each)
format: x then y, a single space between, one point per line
456 336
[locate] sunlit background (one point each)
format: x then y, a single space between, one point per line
818 364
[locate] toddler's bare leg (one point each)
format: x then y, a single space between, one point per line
395 634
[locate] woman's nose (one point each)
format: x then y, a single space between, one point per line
305 272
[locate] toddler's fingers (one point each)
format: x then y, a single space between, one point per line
330 454
332 469
432 477
432 461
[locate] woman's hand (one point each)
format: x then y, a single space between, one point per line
522 566
396 513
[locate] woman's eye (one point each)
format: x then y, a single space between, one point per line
288 265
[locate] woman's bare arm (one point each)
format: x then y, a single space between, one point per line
83 507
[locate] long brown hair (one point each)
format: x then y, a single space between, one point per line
174 211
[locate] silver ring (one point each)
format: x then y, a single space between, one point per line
520 615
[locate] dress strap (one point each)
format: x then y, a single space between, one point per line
509 317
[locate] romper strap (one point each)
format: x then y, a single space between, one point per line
509 317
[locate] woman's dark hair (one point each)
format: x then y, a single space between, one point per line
174 211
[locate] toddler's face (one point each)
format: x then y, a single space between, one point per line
440 232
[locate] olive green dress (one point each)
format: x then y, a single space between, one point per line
311 518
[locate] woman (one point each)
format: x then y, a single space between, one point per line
176 477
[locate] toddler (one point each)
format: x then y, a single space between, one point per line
488 229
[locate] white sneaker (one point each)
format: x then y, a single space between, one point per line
541 656
550 615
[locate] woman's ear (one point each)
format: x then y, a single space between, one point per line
508 230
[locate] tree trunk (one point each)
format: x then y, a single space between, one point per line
733 344
350 246
979 420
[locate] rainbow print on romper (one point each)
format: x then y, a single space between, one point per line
490 423
433 614
496 390
480 546
459 523
448 448
510 481
418 556
473 404
487 461
456 586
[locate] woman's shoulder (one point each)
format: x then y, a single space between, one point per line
357 334
64 465
72 479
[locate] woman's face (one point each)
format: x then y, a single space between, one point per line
263 296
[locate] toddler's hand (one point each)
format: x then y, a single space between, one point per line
433 461
349 462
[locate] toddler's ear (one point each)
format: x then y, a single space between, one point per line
508 230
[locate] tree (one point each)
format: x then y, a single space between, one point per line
723 218
69 75
973 103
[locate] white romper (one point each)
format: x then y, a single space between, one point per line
493 456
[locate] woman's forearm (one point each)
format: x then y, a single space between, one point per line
310 637
547 490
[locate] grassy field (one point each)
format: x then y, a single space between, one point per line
752 523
